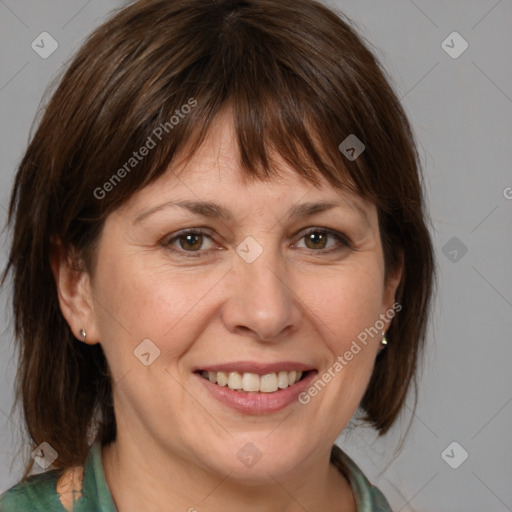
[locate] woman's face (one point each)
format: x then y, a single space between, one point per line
250 294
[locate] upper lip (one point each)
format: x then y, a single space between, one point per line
256 367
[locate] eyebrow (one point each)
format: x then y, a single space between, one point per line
213 210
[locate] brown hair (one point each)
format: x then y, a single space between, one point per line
298 80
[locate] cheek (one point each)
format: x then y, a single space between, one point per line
350 307
346 306
137 302
349 302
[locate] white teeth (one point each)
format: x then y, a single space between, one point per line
282 380
268 383
252 382
222 379
235 380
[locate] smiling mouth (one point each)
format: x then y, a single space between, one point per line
252 382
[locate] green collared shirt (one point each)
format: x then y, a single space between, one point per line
38 493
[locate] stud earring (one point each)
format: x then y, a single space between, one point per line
383 343
83 334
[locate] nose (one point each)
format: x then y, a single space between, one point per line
261 301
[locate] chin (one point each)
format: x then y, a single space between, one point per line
254 462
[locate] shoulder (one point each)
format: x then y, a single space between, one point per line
77 489
55 490
368 497
35 493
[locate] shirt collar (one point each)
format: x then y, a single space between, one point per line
368 498
95 484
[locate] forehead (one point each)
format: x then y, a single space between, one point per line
213 174
218 159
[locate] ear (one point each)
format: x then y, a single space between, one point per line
391 286
74 291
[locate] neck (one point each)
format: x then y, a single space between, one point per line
144 477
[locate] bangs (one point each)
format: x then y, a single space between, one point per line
266 128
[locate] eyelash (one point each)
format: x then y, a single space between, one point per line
344 240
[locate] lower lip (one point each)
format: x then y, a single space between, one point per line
257 402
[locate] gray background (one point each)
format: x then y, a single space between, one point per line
461 111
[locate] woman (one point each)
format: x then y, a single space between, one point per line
219 254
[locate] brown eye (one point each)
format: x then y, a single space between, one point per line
317 240
191 241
